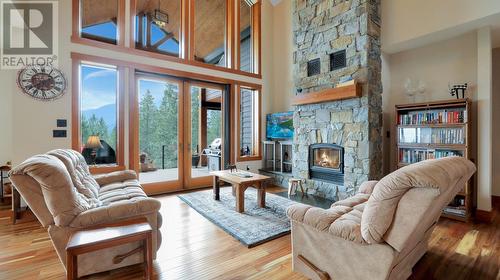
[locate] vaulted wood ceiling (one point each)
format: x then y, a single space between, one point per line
209 19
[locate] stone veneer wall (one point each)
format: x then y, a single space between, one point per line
320 28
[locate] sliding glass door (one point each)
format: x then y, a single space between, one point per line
203 131
179 130
160 131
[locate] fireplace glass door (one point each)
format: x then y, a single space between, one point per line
326 158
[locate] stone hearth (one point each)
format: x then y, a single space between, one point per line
323 27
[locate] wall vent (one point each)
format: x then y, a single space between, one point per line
337 60
313 67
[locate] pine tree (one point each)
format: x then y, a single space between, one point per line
195 115
147 124
213 125
167 130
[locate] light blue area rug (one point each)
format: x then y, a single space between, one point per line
254 226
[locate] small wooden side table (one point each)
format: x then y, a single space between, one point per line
240 184
86 241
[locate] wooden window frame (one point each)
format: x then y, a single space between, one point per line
187 37
257 131
256 37
75 114
76 28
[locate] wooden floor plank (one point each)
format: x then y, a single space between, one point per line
194 248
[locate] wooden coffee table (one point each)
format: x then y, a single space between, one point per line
240 184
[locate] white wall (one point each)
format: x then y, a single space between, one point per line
282 57
484 119
413 23
452 61
32 121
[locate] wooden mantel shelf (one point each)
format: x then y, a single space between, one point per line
343 92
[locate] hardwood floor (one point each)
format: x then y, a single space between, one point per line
194 248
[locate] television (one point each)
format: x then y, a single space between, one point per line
279 126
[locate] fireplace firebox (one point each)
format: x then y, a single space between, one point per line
326 162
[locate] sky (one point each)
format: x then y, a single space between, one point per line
99 87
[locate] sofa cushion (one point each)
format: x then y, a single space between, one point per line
367 187
126 190
348 226
116 211
343 219
440 174
113 177
62 200
353 200
79 173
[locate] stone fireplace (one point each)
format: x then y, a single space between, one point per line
326 162
337 41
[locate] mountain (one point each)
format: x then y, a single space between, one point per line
107 112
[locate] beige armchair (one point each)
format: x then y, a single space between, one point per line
382 231
65 198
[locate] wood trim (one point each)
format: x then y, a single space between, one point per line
133 148
230 34
234 123
185 31
131 16
331 94
121 23
75 104
237 38
106 169
257 131
120 145
440 103
257 37
75 14
190 23
161 70
483 216
75 116
322 275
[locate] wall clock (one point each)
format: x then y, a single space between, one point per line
42 82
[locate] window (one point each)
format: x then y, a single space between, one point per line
246 36
99 20
248 124
210 32
98 113
158 26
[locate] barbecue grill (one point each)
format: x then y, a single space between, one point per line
214 155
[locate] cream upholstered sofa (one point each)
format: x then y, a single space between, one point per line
65 198
382 231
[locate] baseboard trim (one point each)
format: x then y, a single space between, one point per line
484 216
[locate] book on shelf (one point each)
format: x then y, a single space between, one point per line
409 156
431 135
447 116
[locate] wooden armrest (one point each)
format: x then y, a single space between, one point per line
321 274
